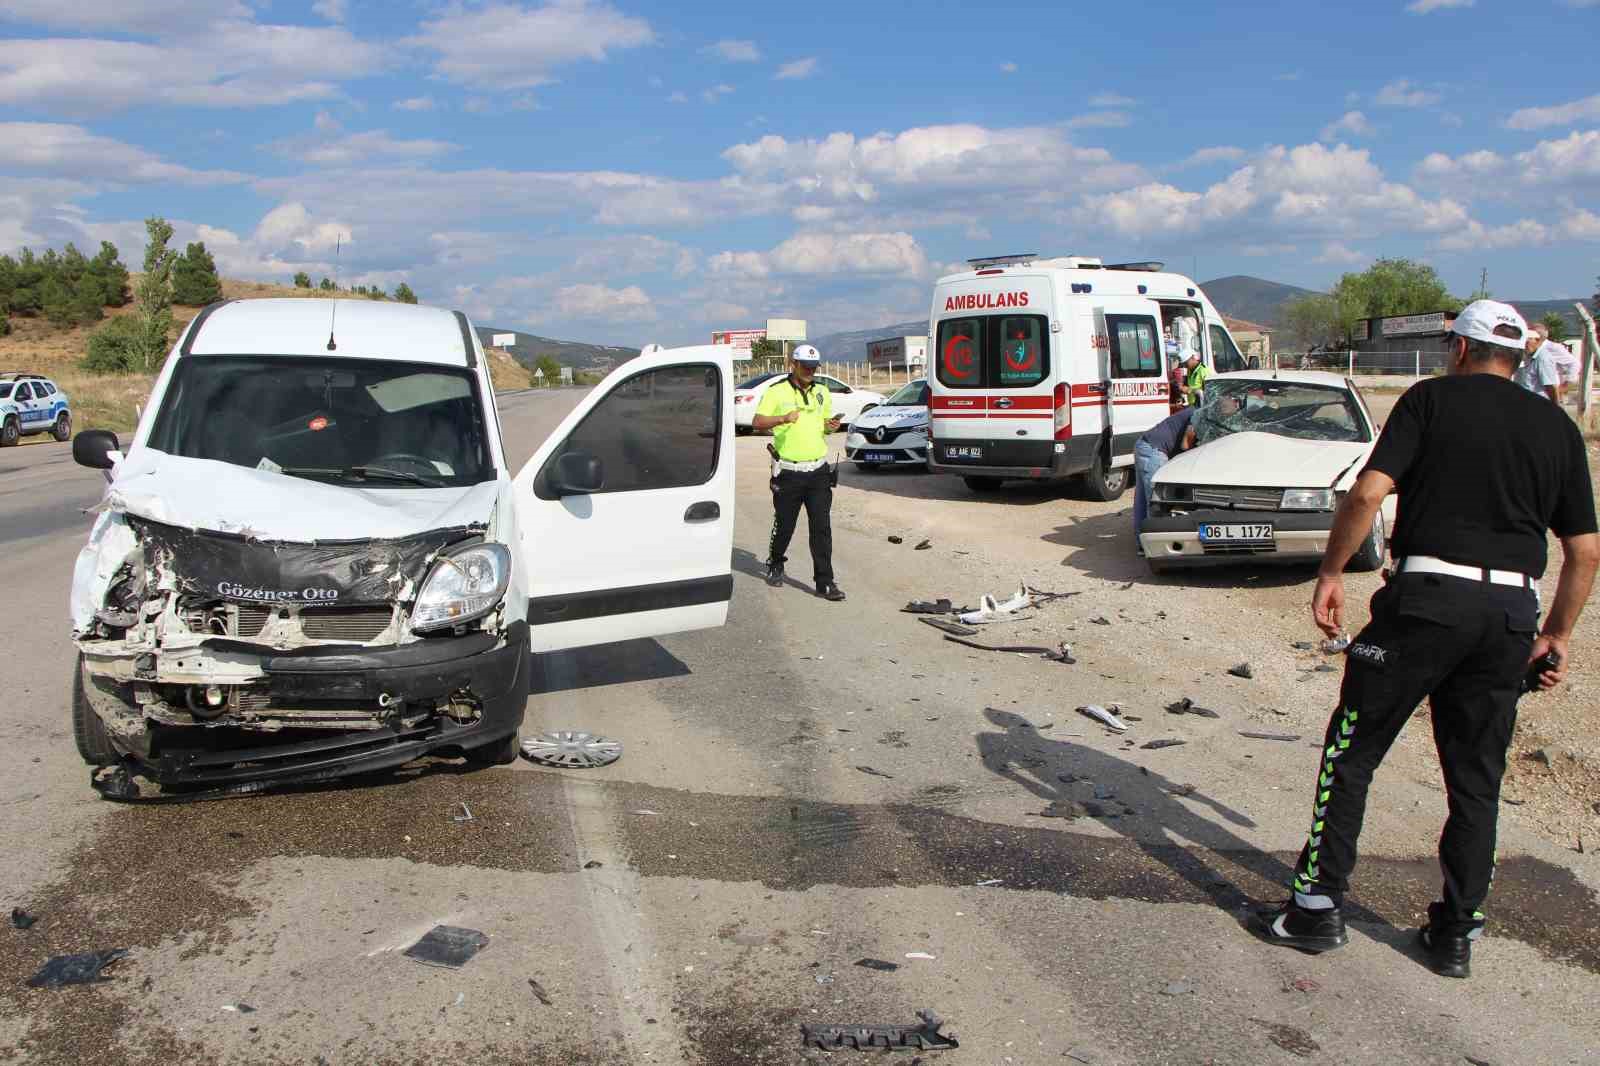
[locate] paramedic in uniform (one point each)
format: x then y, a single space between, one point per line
1483 469
800 414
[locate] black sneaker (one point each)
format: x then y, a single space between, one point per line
830 591
1449 954
775 576
1295 927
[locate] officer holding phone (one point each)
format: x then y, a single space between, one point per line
1483 469
799 412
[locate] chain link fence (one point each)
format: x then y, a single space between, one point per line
1412 364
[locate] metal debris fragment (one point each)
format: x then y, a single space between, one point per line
920 955
1289 737
896 540
593 864
1188 706
1163 743
991 883
1104 716
948 627
878 964
1242 670
923 546
924 1037
447 945
1100 620
539 993
939 606
83 969
464 814
874 773
1019 649
572 749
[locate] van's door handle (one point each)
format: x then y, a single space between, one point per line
704 511
1004 401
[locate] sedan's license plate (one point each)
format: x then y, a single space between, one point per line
1248 533
881 457
965 451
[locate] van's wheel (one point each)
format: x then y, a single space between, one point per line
501 752
10 433
980 483
94 743
1106 483
1369 556
63 430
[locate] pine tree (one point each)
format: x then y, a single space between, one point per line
194 277
107 268
326 285
403 293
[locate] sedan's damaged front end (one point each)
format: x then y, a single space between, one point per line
211 658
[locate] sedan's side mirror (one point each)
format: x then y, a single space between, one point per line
97 448
577 474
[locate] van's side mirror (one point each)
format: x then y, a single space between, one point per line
97 448
577 474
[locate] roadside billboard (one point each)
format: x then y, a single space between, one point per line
739 339
786 329
898 351
503 340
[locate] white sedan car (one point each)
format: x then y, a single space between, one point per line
893 433
848 403
1275 454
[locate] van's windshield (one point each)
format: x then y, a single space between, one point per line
367 422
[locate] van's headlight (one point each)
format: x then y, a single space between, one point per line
1307 500
462 586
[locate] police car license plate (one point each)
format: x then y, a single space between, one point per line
1250 533
964 451
880 457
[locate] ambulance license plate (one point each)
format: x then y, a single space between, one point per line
963 451
879 457
1251 533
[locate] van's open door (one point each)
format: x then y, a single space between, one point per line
625 515
1136 398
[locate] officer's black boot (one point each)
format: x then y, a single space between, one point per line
830 591
1449 951
775 575
1297 927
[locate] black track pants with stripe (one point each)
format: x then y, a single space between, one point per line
813 490
1463 644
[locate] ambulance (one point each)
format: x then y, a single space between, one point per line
1047 369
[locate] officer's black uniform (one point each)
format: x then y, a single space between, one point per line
1482 468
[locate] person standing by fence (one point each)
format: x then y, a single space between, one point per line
1539 372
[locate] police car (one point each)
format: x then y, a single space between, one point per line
893 433
848 403
31 404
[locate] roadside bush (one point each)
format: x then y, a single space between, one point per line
116 347
302 280
403 293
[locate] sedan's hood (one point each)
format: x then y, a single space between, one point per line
1265 460
899 416
224 498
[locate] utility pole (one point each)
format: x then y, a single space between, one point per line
1483 284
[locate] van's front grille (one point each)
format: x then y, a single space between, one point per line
1239 499
358 624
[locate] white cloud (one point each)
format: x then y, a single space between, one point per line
1008 68
1111 100
1474 236
511 46
1219 154
734 51
678 98
415 103
1351 122
1288 75
592 301
1423 7
1537 118
292 226
715 93
799 68
1340 254
1582 224
1573 160
1403 93
57 150
1098 120
330 146
132 16
332 10
838 255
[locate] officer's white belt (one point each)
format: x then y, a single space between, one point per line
1427 564
804 468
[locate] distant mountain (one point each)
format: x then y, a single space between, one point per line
1534 310
529 348
851 346
1255 299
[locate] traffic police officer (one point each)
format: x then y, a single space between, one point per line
1194 378
800 414
1483 469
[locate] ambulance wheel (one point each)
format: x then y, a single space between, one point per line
63 427
10 433
88 731
1369 556
979 483
1106 483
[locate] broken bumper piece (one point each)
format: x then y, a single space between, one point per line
923 1037
359 709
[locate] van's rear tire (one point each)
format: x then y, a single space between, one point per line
1369 556
88 731
1106 483
981 483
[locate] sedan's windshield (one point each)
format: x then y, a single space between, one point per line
366 422
1286 408
758 379
911 394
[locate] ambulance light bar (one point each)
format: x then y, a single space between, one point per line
1150 266
1002 260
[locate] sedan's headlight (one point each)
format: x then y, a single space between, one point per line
1169 493
462 586
1307 500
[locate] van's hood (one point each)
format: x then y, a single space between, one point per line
1266 460
204 494
898 416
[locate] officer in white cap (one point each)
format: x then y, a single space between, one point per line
1483 468
800 414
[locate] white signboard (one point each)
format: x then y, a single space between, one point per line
1405 325
786 329
504 340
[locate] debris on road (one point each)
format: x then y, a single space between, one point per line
1104 716
593 864
1291 1038
1100 620
924 1037
1287 737
939 606
923 546
21 919
1302 984
991 883
84 969
1184 790
1188 706
1324 668
238 1008
1019 649
896 540
1303 645
1063 655
571 749
949 627
1063 808
1166 743
464 815
990 610
539 993
1044 596
1242 670
644 810
1178 988
447 945
878 964
1335 645
920 955
874 773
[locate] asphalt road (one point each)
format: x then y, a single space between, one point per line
812 786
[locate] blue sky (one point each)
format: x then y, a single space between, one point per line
625 172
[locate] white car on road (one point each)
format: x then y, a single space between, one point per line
848 403
893 433
1276 453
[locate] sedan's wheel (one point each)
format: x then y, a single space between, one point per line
88 731
63 427
10 433
1369 556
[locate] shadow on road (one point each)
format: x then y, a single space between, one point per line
745 562
916 483
1105 549
603 664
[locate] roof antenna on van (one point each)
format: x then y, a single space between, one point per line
333 310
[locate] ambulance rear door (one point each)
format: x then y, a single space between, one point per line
1133 367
